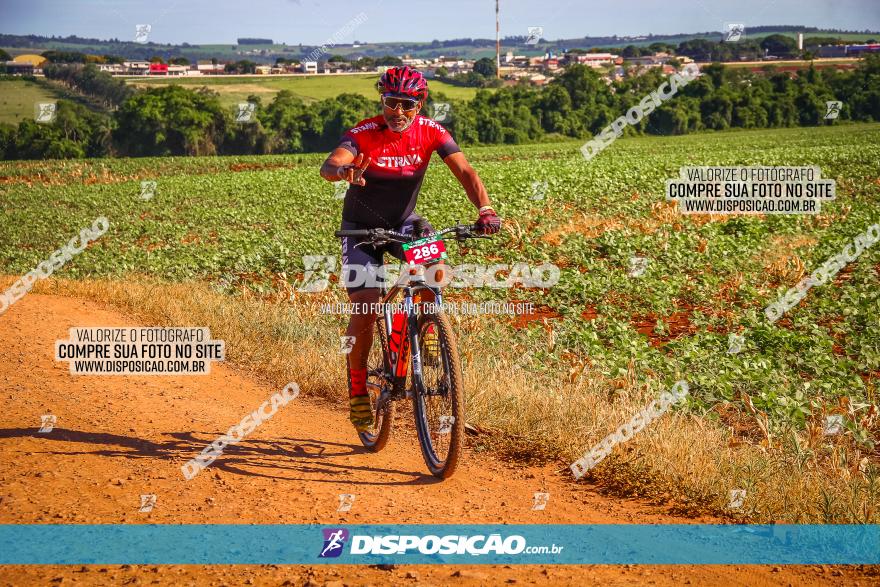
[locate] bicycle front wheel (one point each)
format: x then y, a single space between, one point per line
439 406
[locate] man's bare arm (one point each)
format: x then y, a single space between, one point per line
468 178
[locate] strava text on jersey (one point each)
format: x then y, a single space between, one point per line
398 165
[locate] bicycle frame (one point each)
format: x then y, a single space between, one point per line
409 344
415 283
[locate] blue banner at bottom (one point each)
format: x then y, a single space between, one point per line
562 544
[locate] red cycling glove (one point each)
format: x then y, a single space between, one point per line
488 222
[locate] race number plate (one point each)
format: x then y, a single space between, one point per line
424 250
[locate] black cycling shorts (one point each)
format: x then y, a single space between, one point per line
368 256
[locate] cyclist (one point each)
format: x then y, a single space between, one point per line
384 160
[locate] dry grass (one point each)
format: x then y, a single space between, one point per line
589 226
526 411
782 264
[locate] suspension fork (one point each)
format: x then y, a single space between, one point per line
413 341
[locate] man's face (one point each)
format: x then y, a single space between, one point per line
399 111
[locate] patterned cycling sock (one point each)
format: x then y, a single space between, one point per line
357 382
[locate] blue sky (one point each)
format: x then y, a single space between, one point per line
315 21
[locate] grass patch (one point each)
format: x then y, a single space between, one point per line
311 88
18 99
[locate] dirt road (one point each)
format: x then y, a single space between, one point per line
119 437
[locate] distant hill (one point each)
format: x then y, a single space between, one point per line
466 48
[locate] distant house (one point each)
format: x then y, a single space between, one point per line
158 69
178 70
856 50
655 60
111 68
207 67
17 68
263 69
137 67
592 59
416 63
832 51
25 64
309 67
36 61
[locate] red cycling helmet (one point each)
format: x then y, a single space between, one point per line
403 81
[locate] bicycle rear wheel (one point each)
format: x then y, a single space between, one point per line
439 407
378 388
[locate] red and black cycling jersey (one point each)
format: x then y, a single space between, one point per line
398 166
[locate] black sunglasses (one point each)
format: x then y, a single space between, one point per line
406 104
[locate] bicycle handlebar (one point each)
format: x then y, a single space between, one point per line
370 232
462 231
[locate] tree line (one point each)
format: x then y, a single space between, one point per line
173 120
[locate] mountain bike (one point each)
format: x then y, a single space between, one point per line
417 341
